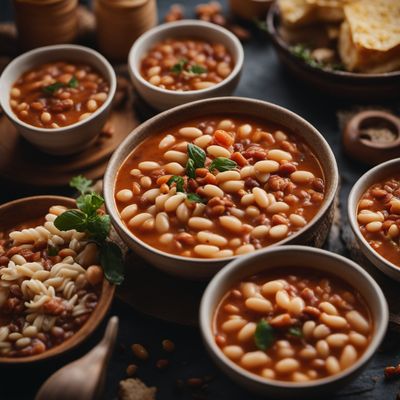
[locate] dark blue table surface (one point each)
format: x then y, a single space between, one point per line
263 78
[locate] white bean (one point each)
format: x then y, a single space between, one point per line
278 231
226 124
308 353
247 332
173 202
357 322
260 231
357 339
190 132
138 220
148 165
332 365
150 195
206 250
297 220
176 156
231 223
249 289
270 288
213 191
233 325
287 365
162 222
259 305
266 166
166 238
211 238
321 331
124 195
223 253
227 176
323 349
255 359
244 130
218 151
278 207
203 141
246 171
282 299
279 155
333 321
247 199
348 356
174 168
182 212
129 211
301 177
246 248
200 223
233 352
260 197
337 339
232 186
296 306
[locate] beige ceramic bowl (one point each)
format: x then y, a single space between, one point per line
25 210
296 256
314 233
374 175
162 99
68 139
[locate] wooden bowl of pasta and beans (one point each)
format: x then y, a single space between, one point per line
53 293
203 183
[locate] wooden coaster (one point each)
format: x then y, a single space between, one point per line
23 163
159 295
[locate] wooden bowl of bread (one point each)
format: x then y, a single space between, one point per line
344 48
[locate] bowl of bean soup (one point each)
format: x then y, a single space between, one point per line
292 321
53 293
201 184
374 214
183 61
58 97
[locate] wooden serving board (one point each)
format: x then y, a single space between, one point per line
23 163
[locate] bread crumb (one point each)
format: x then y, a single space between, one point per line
135 389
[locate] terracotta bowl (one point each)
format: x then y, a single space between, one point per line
24 210
314 233
338 83
374 175
269 259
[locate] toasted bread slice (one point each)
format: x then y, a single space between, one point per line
306 12
369 38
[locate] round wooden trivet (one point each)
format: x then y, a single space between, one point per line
23 163
154 293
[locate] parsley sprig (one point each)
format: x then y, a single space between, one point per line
194 69
51 89
87 218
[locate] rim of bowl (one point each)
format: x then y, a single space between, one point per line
240 263
48 49
352 205
54 351
134 58
274 13
109 181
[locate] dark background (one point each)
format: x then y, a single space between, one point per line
263 78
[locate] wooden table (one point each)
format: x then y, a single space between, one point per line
263 78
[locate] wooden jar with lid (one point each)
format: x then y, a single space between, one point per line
120 23
46 22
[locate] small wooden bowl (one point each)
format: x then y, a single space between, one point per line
250 9
342 84
29 208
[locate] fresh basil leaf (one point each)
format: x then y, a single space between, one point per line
190 169
112 263
178 180
195 198
99 227
52 250
89 203
196 154
179 66
51 89
73 82
222 164
197 69
80 183
71 219
295 331
264 335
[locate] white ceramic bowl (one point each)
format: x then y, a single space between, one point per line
313 234
292 256
72 138
374 175
163 99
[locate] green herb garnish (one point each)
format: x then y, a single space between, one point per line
97 225
197 69
295 331
52 250
222 164
179 66
264 335
305 53
190 169
195 198
179 182
51 89
260 24
197 154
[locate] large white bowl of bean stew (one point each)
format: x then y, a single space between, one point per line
292 321
374 214
58 97
203 183
183 61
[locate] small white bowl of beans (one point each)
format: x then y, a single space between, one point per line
183 61
292 321
58 97
374 214
203 183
